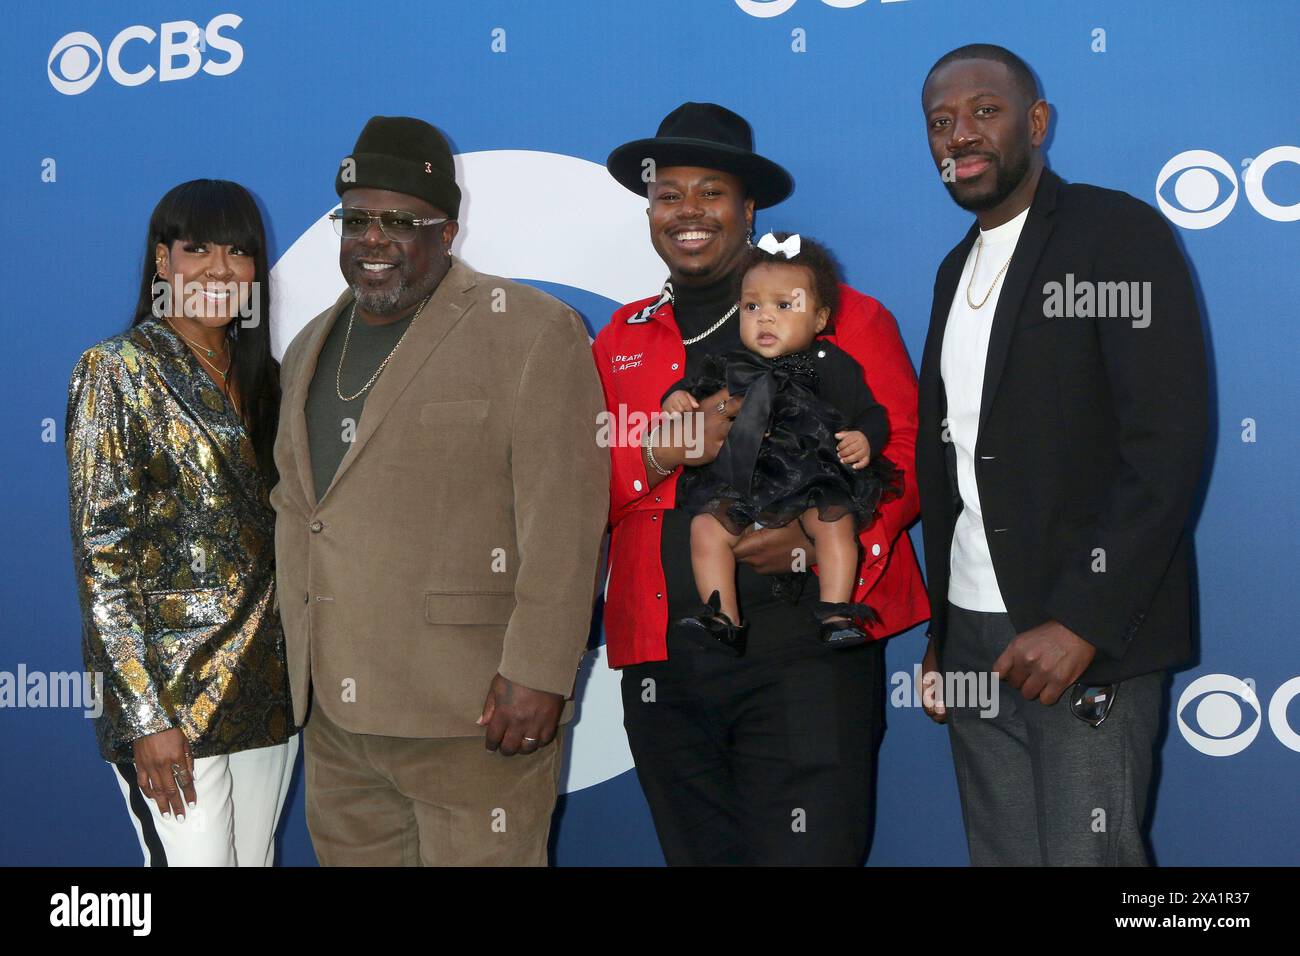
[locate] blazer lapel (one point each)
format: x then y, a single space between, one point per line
451 300
1015 285
933 399
945 287
197 393
299 441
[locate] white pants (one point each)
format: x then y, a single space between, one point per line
238 802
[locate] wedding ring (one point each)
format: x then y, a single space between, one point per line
722 407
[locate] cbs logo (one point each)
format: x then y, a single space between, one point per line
1202 187
1219 715
76 59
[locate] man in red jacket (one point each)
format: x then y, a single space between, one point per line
767 757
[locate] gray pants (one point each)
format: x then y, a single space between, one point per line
1039 786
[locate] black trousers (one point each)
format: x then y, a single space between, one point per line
767 759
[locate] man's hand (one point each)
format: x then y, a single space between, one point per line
1043 661
932 685
854 449
519 719
772 550
156 758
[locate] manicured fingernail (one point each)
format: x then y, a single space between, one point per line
191 803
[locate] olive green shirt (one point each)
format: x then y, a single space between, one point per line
331 422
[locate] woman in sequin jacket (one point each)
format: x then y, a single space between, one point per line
170 426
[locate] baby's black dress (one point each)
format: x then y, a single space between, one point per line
779 459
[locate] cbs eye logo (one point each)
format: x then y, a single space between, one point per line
75 53
1197 188
1214 703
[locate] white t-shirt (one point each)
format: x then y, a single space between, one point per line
972 584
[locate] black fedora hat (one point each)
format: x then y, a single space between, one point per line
707 135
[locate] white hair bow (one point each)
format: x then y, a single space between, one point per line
771 245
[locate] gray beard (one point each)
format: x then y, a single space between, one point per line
379 303
405 295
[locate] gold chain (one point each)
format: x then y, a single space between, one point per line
975 268
204 348
338 376
225 382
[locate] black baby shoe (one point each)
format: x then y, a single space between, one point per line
711 629
841 623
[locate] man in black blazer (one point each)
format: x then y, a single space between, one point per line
1061 439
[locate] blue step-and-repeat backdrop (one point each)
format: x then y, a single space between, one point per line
1189 105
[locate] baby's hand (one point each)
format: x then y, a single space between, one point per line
853 449
680 401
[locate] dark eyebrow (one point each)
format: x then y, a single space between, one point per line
982 94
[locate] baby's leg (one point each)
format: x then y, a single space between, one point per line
714 563
837 555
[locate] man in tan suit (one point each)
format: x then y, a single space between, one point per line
439 515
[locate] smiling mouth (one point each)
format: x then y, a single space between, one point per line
377 268
693 238
216 295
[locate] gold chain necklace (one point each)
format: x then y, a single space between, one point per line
203 348
971 282
338 376
197 345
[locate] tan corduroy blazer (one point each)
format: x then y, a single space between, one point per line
461 533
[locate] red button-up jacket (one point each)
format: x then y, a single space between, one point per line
639 355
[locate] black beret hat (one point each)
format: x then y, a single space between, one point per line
403 155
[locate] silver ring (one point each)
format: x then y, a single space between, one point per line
722 407
531 739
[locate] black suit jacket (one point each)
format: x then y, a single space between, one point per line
1091 432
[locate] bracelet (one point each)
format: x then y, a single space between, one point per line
647 442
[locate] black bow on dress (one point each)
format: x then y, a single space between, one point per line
758 380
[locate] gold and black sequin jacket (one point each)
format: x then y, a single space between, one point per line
173 539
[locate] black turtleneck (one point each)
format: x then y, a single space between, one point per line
772 621
698 307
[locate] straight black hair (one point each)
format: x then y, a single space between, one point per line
224 213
